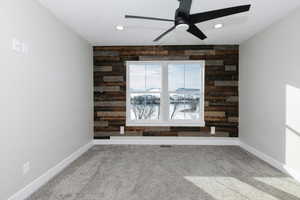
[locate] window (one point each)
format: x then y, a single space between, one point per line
165 93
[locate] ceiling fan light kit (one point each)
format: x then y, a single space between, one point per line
182 27
186 21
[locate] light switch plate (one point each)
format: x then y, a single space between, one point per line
17 45
24 48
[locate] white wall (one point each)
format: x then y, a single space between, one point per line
45 95
270 91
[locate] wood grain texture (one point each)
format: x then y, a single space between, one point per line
221 88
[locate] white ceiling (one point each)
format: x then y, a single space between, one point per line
96 20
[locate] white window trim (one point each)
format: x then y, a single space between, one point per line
164 105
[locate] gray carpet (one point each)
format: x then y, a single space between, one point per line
175 173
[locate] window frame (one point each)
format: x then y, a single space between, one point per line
164 96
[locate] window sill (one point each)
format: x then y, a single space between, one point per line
151 124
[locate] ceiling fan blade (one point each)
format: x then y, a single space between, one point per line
185 6
196 32
148 18
165 33
205 16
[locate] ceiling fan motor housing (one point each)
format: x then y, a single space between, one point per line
181 24
180 20
181 17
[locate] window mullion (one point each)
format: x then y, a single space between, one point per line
202 94
164 93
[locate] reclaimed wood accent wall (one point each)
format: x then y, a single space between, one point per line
221 88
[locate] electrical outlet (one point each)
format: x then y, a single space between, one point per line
212 130
26 168
122 130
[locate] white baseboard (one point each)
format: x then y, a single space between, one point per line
40 181
168 141
278 165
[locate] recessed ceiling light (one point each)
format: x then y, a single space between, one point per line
120 28
217 26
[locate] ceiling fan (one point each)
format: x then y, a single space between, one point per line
187 21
